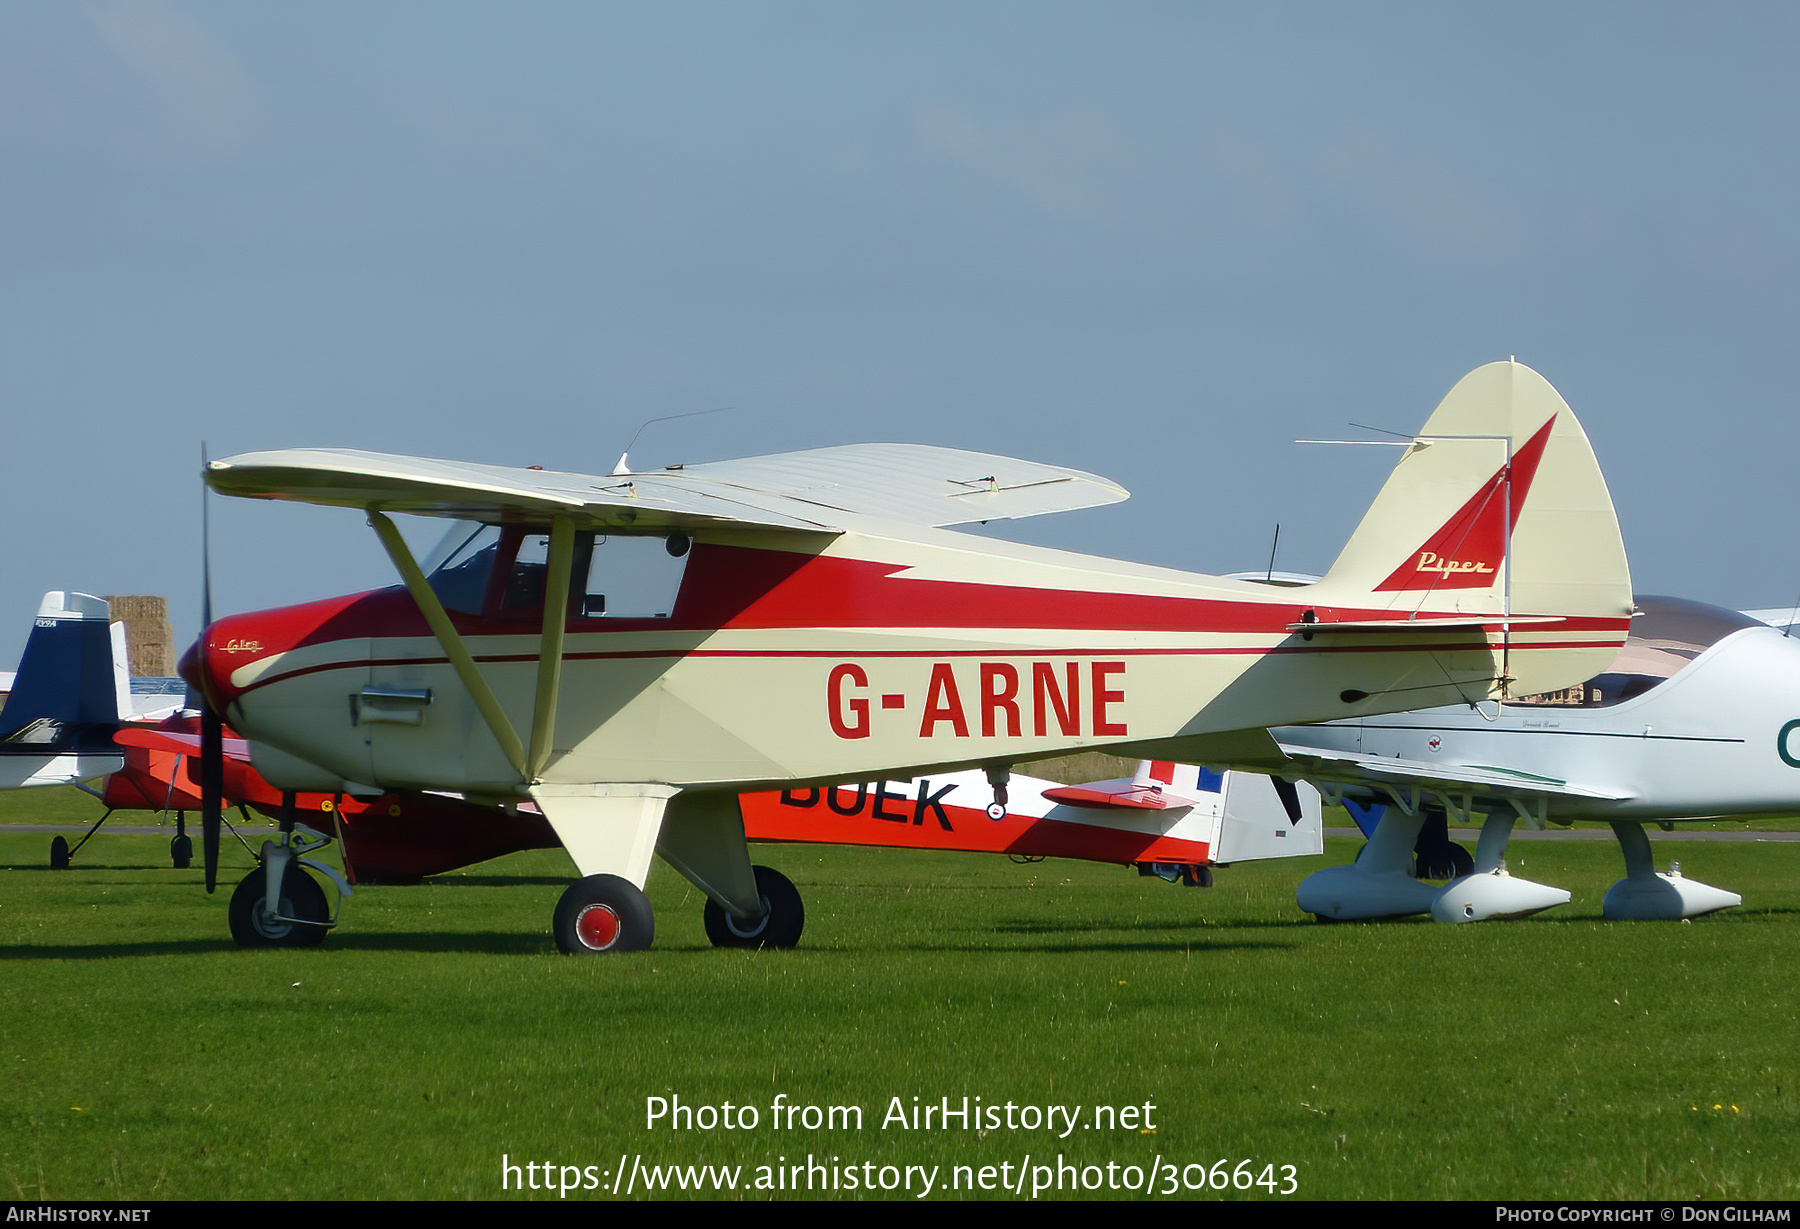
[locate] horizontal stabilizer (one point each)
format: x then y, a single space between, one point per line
1129 798
1422 623
1157 785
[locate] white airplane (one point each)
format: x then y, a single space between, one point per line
72 691
633 651
66 700
1697 718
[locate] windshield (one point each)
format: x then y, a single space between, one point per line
459 567
1667 634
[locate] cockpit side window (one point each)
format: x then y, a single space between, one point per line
629 577
611 577
1666 635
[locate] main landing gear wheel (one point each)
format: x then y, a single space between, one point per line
1459 863
59 854
603 913
301 899
1194 875
181 852
784 917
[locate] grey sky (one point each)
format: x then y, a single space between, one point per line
1158 241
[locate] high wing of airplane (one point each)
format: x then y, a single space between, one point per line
67 698
633 651
1696 718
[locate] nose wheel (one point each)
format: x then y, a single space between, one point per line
784 917
301 915
300 921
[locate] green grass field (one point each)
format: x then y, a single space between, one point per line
1558 1057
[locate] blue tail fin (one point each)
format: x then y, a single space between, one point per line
1366 815
72 685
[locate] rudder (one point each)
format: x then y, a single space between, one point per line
1436 536
1498 507
67 695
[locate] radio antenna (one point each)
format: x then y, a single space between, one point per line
623 467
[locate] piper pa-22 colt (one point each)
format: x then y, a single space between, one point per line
1696 719
817 623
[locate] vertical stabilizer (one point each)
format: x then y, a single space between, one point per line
1497 506
67 694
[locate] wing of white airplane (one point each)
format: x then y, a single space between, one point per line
1459 779
817 489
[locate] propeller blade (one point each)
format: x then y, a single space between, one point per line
212 725
212 790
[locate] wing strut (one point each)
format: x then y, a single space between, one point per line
529 766
452 644
550 651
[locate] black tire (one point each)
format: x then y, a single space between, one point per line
301 898
1197 876
1464 861
1458 863
181 851
59 854
1436 855
784 916
602 914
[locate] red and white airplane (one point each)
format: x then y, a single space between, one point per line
1173 820
806 618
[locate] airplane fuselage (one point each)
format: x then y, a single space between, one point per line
818 657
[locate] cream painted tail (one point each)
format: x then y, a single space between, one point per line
1498 508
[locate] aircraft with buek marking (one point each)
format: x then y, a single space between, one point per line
633 651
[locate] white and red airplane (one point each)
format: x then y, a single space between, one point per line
1176 820
1696 719
633 651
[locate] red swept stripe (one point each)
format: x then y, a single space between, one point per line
1466 552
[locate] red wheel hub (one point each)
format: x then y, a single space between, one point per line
598 927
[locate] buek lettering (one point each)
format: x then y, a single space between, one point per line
994 699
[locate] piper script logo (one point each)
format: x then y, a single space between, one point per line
1466 551
234 645
1430 561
